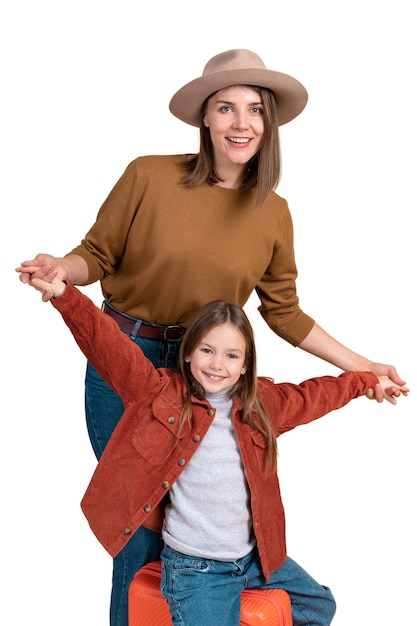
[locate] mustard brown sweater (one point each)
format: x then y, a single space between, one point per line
162 250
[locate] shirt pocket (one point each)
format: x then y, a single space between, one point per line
155 436
260 445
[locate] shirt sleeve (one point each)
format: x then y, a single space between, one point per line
113 354
289 405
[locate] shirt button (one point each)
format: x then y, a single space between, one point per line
210 412
127 531
147 508
196 438
165 484
171 420
181 461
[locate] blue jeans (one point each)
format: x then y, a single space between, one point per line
203 592
103 410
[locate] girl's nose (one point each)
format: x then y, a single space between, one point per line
216 363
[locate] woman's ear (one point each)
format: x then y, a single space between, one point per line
187 359
243 370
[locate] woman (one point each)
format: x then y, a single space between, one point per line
178 231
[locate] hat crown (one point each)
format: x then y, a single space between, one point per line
239 59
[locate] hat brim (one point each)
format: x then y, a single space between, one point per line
290 95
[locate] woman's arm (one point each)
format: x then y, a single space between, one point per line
319 343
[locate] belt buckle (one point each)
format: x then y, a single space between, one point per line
173 329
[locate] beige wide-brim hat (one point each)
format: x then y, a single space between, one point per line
238 67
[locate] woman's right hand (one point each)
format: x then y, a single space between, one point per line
44 266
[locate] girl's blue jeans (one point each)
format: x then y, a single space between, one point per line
203 592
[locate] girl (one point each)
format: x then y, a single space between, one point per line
202 442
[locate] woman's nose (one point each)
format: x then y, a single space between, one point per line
241 120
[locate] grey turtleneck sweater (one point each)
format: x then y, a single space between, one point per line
209 514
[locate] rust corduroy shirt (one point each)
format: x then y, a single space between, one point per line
143 458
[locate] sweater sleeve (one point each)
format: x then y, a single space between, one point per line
104 245
118 360
277 288
289 405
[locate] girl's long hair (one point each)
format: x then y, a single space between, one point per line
253 413
263 170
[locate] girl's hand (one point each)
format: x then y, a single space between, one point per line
387 390
388 372
53 287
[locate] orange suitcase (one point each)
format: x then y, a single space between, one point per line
147 606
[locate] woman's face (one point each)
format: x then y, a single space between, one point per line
235 118
218 361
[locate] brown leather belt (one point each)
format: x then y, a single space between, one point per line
150 331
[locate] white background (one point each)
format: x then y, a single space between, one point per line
85 89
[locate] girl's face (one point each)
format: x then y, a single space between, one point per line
235 119
219 359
